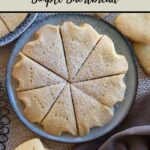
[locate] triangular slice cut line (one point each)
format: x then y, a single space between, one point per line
103 61
61 117
108 91
13 20
38 101
78 43
89 112
47 49
30 74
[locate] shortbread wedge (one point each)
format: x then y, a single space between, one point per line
3 29
13 20
78 43
38 101
108 91
61 117
47 49
103 61
89 112
30 74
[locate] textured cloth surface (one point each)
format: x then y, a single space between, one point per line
19 133
136 138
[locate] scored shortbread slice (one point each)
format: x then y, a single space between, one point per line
30 74
33 144
142 51
3 29
89 112
13 20
61 117
108 91
135 26
47 49
103 61
38 101
78 43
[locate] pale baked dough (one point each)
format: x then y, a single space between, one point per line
3 29
107 91
142 52
38 101
61 117
33 144
136 26
95 72
103 61
101 15
47 49
89 112
13 20
78 43
30 74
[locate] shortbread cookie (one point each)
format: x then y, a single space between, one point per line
89 112
78 43
102 62
47 49
61 117
69 79
38 101
136 26
30 74
108 91
100 15
142 51
33 144
13 20
3 29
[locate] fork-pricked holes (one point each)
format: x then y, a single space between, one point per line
31 74
37 99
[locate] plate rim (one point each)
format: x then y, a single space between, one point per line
8 39
58 138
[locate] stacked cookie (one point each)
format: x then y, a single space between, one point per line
69 78
136 26
33 144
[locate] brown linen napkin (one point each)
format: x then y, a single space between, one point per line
132 134
135 138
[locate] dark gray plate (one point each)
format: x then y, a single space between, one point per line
121 46
19 30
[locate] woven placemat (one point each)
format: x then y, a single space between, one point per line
18 132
